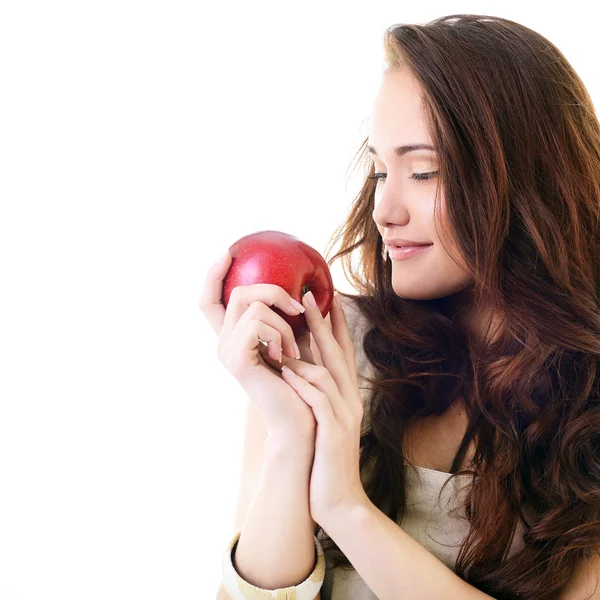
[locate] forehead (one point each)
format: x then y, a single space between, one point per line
396 117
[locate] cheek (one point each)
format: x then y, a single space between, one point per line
451 261
449 251
448 270
444 228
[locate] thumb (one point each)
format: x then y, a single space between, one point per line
211 302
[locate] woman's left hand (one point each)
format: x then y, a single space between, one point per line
332 392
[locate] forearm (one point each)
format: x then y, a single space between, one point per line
276 546
391 562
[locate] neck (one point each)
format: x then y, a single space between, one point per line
479 323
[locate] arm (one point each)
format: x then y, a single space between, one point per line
391 562
278 529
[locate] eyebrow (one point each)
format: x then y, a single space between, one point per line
401 150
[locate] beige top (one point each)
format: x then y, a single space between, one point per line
428 520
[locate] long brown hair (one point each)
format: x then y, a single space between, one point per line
519 162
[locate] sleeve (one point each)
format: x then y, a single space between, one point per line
239 589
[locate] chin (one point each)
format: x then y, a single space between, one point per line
419 295
418 292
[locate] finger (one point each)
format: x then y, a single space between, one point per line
341 332
259 311
318 400
210 299
315 351
266 336
331 354
242 296
342 335
306 349
306 353
321 381
239 353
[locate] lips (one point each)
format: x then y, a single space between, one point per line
396 253
411 246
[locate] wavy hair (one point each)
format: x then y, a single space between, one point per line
519 162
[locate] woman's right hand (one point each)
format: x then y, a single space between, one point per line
247 318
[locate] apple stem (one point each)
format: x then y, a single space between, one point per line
303 291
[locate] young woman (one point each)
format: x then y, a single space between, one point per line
469 465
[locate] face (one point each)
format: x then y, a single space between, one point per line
405 194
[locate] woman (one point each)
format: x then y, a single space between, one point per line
476 444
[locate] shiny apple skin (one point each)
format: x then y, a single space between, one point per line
281 259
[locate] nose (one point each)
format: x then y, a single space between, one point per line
389 210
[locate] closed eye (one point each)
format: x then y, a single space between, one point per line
416 176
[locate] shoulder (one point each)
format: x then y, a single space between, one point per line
584 581
357 321
358 326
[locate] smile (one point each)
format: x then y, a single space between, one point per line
397 253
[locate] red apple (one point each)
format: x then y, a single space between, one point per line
281 259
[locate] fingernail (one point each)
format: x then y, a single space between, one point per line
310 299
297 351
297 305
288 371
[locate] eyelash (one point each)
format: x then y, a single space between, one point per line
415 176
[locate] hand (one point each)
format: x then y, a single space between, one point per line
248 317
333 395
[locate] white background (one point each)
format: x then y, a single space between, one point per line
138 141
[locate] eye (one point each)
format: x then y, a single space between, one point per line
377 176
424 176
415 176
